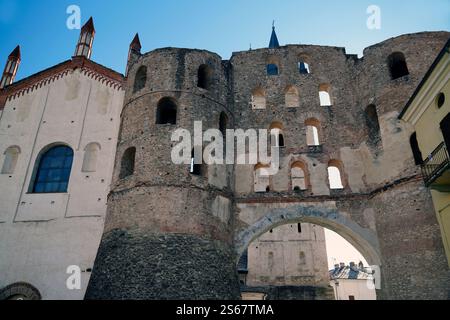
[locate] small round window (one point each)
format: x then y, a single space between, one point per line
440 100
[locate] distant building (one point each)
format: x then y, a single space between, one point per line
283 260
352 282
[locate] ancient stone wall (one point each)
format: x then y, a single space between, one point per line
166 213
383 207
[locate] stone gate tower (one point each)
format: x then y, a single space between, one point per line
168 231
176 231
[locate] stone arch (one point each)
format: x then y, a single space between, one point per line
363 239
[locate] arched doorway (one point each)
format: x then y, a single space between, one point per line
362 239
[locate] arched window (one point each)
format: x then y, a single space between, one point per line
53 170
312 132
291 97
204 76
303 67
127 163
166 112
298 176
223 123
261 178
373 124
141 79
90 157
335 175
258 98
276 135
10 162
272 66
416 150
397 65
324 95
272 69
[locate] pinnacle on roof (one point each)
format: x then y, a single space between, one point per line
274 44
15 53
88 26
136 43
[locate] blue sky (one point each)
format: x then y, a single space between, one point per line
216 25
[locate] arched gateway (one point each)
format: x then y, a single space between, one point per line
363 239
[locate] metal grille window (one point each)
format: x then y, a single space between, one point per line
53 172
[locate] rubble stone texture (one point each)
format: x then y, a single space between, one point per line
170 234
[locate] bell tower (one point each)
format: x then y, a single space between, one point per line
12 65
134 52
86 40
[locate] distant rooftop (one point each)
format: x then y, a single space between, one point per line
351 272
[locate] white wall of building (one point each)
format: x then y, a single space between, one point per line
286 257
359 289
42 234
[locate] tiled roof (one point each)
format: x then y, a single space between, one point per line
352 273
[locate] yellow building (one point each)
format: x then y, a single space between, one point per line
429 111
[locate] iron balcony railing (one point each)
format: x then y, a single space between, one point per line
436 163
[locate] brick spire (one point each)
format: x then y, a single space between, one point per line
10 71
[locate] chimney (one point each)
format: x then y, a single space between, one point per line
134 52
11 67
86 40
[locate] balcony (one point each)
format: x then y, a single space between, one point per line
436 169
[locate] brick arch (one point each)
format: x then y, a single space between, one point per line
363 239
